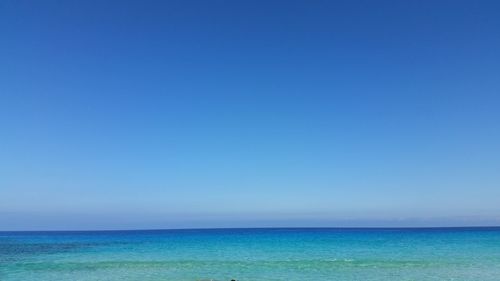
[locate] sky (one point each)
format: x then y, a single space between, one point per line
178 114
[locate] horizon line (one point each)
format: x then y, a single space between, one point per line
269 228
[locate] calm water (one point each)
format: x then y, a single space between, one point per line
253 254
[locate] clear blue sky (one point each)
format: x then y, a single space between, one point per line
155 114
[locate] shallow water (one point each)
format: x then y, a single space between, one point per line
465 254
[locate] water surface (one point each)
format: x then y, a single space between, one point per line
459 254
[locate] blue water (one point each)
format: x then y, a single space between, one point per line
459 254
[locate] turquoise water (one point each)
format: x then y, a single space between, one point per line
466 254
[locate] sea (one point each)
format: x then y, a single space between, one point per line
292 254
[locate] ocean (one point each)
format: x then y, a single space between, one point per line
342 254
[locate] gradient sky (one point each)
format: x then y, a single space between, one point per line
159 114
